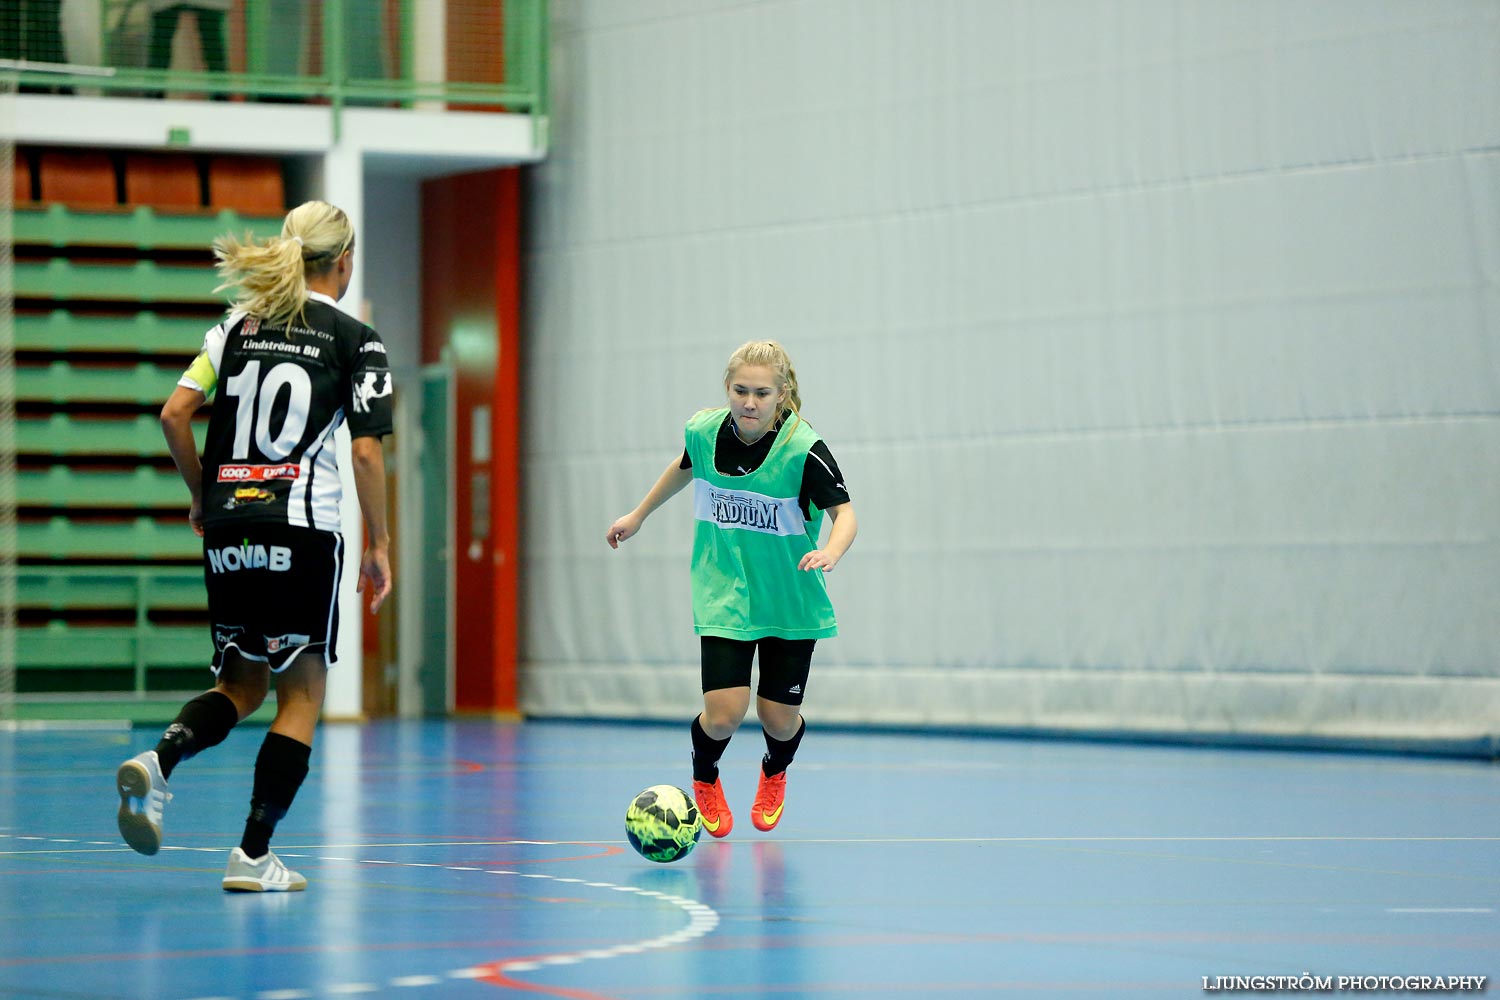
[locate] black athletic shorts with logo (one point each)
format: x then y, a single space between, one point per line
784 665
273 591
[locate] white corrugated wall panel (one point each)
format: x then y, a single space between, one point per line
1159 343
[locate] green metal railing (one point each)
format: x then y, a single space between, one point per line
355 54
116 642
57 650
152 666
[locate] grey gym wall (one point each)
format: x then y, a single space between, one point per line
392 245
1159 343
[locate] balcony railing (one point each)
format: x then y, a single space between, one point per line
475 55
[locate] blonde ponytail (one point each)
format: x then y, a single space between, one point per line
271 275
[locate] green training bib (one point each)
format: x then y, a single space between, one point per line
749 536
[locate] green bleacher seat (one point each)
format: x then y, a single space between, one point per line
178 646
64 435
95 647
142 281
69 653
112 606
96 588
145 332
138 538
62 486
143 228
65 382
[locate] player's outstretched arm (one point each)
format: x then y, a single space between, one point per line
840 537
668 485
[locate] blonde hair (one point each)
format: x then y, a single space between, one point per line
272 274
769 354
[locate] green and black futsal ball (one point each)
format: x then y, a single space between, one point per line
663 823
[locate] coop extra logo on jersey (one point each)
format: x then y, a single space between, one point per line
747 511
233 558
256 473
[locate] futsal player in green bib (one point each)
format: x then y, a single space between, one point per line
762 481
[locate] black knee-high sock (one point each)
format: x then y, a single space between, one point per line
202 723
279 769
779 753
706 753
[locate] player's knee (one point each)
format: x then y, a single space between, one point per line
781 721
720 726
248 694
721 720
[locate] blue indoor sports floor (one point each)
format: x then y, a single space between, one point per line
471 859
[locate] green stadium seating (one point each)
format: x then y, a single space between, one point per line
97 588
142 228
141 538
96 647
65 382
113 611
60 434
64 653
103 647
62 280
145 332
75 489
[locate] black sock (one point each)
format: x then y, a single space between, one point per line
706 753
279 769
779 753
202 723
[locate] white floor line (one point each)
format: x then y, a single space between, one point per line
701 919
1440 909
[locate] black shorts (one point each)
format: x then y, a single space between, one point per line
784 664
273 591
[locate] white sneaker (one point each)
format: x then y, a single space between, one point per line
265 874
143 795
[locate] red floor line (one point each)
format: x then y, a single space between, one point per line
495 977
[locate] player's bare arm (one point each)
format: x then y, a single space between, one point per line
668 485
369 484
840 537
177 428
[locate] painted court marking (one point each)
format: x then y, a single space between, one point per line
701 919
1440 909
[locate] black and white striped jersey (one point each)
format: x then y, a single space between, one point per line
269 455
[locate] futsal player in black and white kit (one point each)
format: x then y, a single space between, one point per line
289 368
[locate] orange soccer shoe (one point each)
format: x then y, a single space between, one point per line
717 819
770 796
